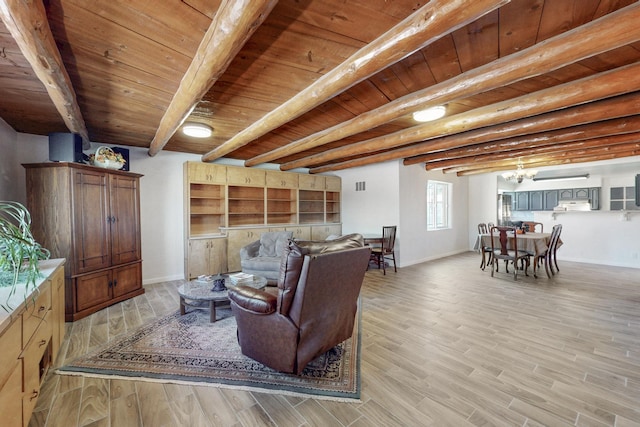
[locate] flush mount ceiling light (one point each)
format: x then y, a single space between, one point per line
197 130
519 174
429 114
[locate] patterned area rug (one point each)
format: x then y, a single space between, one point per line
190 350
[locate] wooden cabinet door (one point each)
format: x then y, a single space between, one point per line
333 183
91 221
236 240
206 173
126 279
206 256
311 182
277 179
92 289
245 176
124 219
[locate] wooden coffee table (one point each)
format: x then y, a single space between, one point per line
198 295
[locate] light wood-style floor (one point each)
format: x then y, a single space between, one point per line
444 344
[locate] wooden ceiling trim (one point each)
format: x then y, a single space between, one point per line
430 22
554 53
29 27
539 149
232 26
598 86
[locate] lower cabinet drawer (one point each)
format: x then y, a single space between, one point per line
36 359
11 397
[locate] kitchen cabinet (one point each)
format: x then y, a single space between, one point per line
522 200
91 217
551 198
536 200
594 198
566 194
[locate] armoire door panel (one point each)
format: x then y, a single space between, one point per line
124 219
91 221
92 289
126 279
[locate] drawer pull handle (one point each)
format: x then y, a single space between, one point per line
42 342
34 395
42 308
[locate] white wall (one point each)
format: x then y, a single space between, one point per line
396 195
419 244
483 192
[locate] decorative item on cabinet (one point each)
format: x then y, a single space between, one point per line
91 217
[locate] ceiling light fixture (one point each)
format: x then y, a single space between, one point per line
197 130
519 174
430 114
562 178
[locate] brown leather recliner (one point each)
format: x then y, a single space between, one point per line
314 309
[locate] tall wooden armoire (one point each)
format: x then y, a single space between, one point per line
91 217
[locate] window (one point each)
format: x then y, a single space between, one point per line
438 205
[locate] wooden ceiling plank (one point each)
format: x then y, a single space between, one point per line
591 39
230 29
28 25
621 106
432 21
599 86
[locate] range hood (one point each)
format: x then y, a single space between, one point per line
573 205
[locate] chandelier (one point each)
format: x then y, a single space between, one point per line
519 174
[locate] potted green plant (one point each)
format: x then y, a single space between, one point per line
19 251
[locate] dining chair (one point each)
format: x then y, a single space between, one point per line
485 251
386 249
502 252
548 256
533 227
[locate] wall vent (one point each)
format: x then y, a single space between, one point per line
360 186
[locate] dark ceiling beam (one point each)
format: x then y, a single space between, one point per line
429 23
575 156
231 27
599 86
621 106
532 143
601 35
565 148
28 25
611 108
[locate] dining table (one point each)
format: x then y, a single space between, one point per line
533 243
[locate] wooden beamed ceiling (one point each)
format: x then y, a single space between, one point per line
329 85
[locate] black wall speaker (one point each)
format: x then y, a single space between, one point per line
65 147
